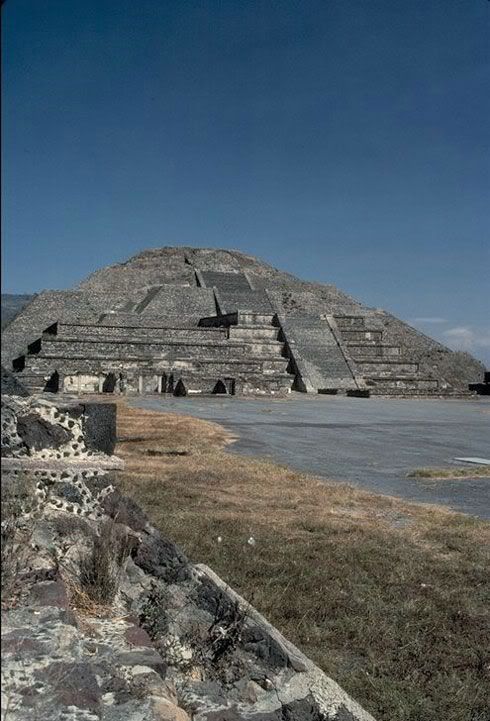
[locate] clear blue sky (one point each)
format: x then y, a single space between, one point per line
347 141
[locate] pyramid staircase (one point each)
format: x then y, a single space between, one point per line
383 366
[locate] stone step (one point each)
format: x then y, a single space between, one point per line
118 333
244 365
86 377
413 393
383 368
99 348
225 280
350 322
317 356
353 336
368 350
202 383
239 332
380 384
257 385
32 382
162 321
248 364
246 301
250 318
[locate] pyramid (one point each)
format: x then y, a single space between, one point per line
193 320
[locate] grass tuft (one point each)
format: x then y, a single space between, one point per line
100 568
454 473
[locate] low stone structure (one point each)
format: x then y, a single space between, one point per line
103 619
482 389
187 320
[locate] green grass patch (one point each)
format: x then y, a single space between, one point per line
441 473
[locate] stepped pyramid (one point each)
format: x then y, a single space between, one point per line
188 320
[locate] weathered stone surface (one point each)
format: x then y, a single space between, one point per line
161 558
37 433
137 636
257 641
295 711
167 711
11 385
125 510
147 658
99 427
12 304
49 593
75 684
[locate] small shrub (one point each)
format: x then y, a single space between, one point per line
101 567
226 631
16 495
153 612
213 648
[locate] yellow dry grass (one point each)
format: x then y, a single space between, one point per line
389 597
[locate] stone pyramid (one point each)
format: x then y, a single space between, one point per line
194 320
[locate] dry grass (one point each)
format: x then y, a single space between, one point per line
101 568
83 604
390 598
16 536
437 474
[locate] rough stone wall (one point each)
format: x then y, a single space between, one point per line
45 309
152 331
10 384
177 302
145 269
40 430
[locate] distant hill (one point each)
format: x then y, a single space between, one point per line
12 304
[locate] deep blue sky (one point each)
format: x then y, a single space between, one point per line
346 141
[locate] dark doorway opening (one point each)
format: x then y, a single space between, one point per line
167 383
53 383
180 389
220 388
109 384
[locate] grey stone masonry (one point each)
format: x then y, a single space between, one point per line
182 320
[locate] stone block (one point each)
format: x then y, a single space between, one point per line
99 426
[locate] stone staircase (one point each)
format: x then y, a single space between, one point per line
261 337
384 368
319 360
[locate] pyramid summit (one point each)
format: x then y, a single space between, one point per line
187 320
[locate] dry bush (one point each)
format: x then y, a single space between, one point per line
16 532
100 569
153 614
225 632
